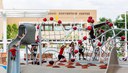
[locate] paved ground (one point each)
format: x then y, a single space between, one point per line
62 69
121 68
43 69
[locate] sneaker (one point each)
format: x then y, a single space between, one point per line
14 58
84 59
11 58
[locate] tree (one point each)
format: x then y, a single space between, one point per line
9 30
12 31
103 19
121 23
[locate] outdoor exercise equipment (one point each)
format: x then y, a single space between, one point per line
122 38
28 30
44 19
59 22
76 51
99 44
85 38
51 62
51 18
74 28
97 47
89 28
73 60
78 64
113 64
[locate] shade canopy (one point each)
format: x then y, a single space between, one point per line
24 13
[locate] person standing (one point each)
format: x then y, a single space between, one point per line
33 51
71 50
81 51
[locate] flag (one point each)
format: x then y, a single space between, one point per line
56 17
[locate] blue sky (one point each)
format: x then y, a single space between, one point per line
105 8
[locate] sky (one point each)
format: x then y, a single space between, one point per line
105 8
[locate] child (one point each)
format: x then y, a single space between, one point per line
81 51
71 50
13 52
60 56
33 51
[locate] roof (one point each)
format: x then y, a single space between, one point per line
24 13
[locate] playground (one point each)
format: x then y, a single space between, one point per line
87 54
61 41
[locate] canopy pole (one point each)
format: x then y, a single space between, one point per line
4 31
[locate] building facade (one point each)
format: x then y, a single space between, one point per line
66 16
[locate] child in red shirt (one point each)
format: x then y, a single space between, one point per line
60 56
13 52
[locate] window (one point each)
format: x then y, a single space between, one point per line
51 13
84 13
48 28
68 27
58 28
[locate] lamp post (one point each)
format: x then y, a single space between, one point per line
126 54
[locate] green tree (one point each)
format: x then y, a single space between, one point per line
12 31
103 19
121 23
9 30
